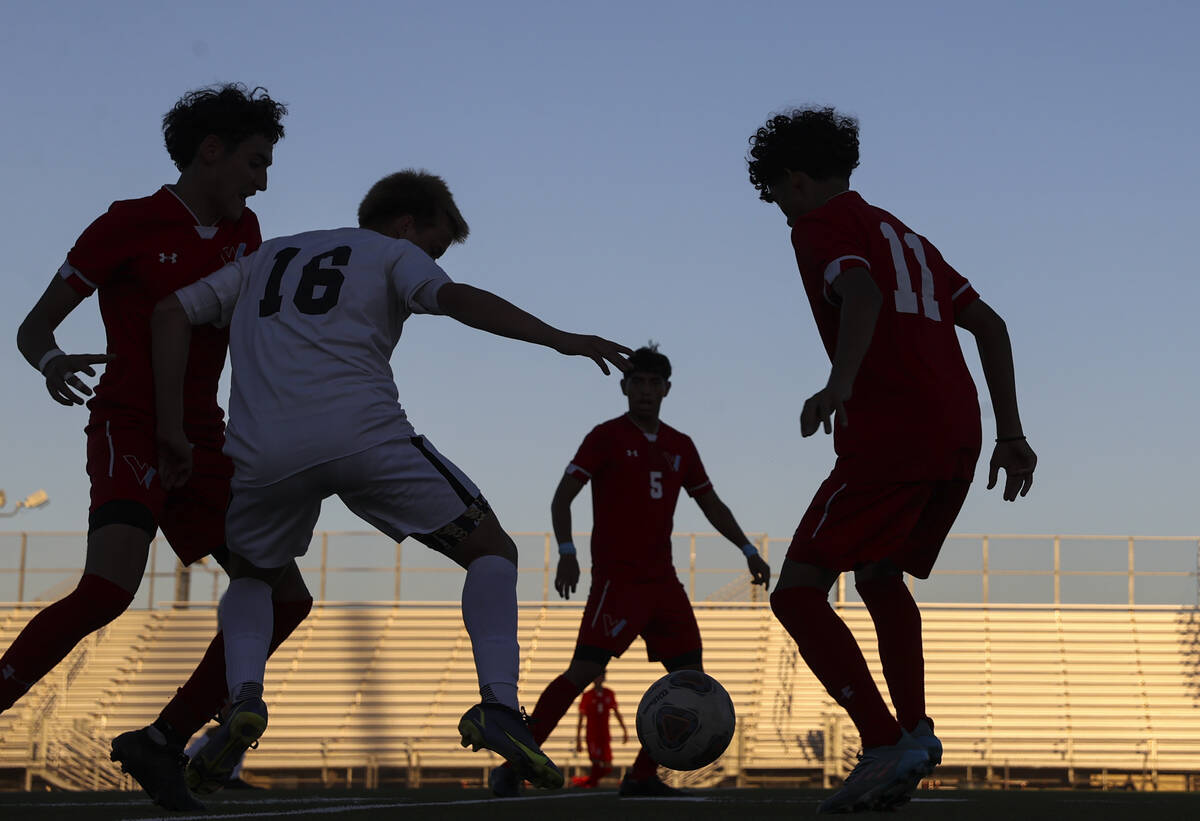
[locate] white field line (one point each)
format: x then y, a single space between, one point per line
214 814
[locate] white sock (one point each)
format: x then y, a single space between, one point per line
489 608
247 620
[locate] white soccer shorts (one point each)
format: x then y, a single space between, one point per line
403 488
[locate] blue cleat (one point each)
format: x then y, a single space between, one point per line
884 778
503 731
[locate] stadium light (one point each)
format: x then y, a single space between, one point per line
34 500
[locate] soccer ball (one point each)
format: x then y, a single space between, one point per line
685 720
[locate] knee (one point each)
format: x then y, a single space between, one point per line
102 601
583 672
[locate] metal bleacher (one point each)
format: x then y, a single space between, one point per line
364 687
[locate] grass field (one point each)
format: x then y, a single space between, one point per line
709 805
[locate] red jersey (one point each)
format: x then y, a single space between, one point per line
135 254
636 478
595 706
914 414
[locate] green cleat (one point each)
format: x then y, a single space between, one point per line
212 767
503 731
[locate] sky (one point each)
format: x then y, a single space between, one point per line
598 153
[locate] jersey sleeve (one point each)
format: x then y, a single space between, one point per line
416 280
695 479
826 248
591 457
101 251
961 292
211 300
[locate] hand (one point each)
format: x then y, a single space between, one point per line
1018 461
567 576
596 348
760 571
174 458
820 407
60 376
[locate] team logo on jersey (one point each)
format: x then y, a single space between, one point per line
673 461
172 257
229 253
142 472
631 452
613 626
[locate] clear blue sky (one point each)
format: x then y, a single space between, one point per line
597 150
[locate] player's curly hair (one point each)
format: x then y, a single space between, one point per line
229 111
647 359
817 140
416 193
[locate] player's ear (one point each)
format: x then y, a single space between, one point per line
666 387
624 388
211 149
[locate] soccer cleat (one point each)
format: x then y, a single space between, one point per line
212 766
505 782
923 735
503 730
652 787
157 768
884 778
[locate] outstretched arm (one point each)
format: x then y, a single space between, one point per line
566 578
35 340
1012 452
170 339
484 310
721 517
861 301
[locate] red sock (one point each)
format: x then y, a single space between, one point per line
643 766
205 693
54 632
898 628
552 705
829 649
599 770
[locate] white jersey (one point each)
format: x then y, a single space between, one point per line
313 320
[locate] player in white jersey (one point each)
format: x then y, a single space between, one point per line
314 412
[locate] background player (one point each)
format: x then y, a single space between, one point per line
315 412
637 465
907 436
222 140
595 706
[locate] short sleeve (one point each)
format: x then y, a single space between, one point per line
960 290
591 457
825 249
211 300
695 479
102 250
416 280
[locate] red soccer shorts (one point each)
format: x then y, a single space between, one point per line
122 462
600 749
851 523
618 610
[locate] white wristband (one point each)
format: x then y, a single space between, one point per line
566 548
53 353
749 550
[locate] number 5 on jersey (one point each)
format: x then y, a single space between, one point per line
656 488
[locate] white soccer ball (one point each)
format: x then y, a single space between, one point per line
685 720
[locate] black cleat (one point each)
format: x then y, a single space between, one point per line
157 768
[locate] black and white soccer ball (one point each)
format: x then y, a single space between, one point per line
685 720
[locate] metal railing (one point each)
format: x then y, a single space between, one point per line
974 568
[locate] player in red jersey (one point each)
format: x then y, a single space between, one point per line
595 706
906 433
637 465
139 251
